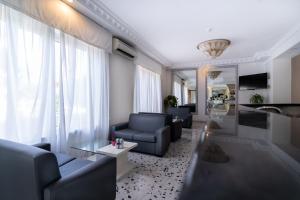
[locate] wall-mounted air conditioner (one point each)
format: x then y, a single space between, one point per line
123 49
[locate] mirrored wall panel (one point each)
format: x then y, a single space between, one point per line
221 97
221 88
185 88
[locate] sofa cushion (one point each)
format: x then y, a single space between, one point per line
146 123
144 137
63 158
126 134
73 166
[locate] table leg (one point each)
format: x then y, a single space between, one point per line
123 165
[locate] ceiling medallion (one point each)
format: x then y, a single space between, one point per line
214 48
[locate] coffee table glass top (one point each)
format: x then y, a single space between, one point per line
91 146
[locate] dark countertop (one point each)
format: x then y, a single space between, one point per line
264 152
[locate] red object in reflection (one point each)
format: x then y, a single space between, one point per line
113 142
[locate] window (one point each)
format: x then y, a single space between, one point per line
177 92
51 84
147 92
186 95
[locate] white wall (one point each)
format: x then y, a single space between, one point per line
166 82
201 95
281 82
296 79
121 88
254 68
122 75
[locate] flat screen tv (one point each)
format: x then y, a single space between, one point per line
254 81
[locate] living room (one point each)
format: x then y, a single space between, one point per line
108 99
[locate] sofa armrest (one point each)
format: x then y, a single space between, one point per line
163 137
45 146
96 181
119 126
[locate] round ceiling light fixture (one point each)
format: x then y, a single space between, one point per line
214 74
213 48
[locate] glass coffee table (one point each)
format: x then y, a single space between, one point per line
105 148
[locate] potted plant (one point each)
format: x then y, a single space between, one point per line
170 101
257 99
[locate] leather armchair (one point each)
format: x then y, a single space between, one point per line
176 127
94 181
191 106
45 146
162 140
149 131
184 114
31 173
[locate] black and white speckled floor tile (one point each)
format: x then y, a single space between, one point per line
155 178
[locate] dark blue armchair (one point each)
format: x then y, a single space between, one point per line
32 173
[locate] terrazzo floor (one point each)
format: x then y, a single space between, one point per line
159 178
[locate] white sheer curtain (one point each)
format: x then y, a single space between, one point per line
185 95
52 86
84 92
147 91
177 92
27 89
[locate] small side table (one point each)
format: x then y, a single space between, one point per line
123 165
176 129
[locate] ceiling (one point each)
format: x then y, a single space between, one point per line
292 52
187 74
171 29
190 77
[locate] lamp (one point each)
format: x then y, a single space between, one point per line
214 48
214 74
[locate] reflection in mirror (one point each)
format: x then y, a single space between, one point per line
221 89
185 88
221 99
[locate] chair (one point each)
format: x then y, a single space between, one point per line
184 114
176 126
149 131
32 173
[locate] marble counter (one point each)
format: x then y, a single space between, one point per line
264 153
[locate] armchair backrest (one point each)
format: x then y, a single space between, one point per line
168 116
25 171
182 112
191 106
146 123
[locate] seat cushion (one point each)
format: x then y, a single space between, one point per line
126 134
144 137
63 158
73 166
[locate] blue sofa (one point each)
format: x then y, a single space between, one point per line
149 131
35 173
